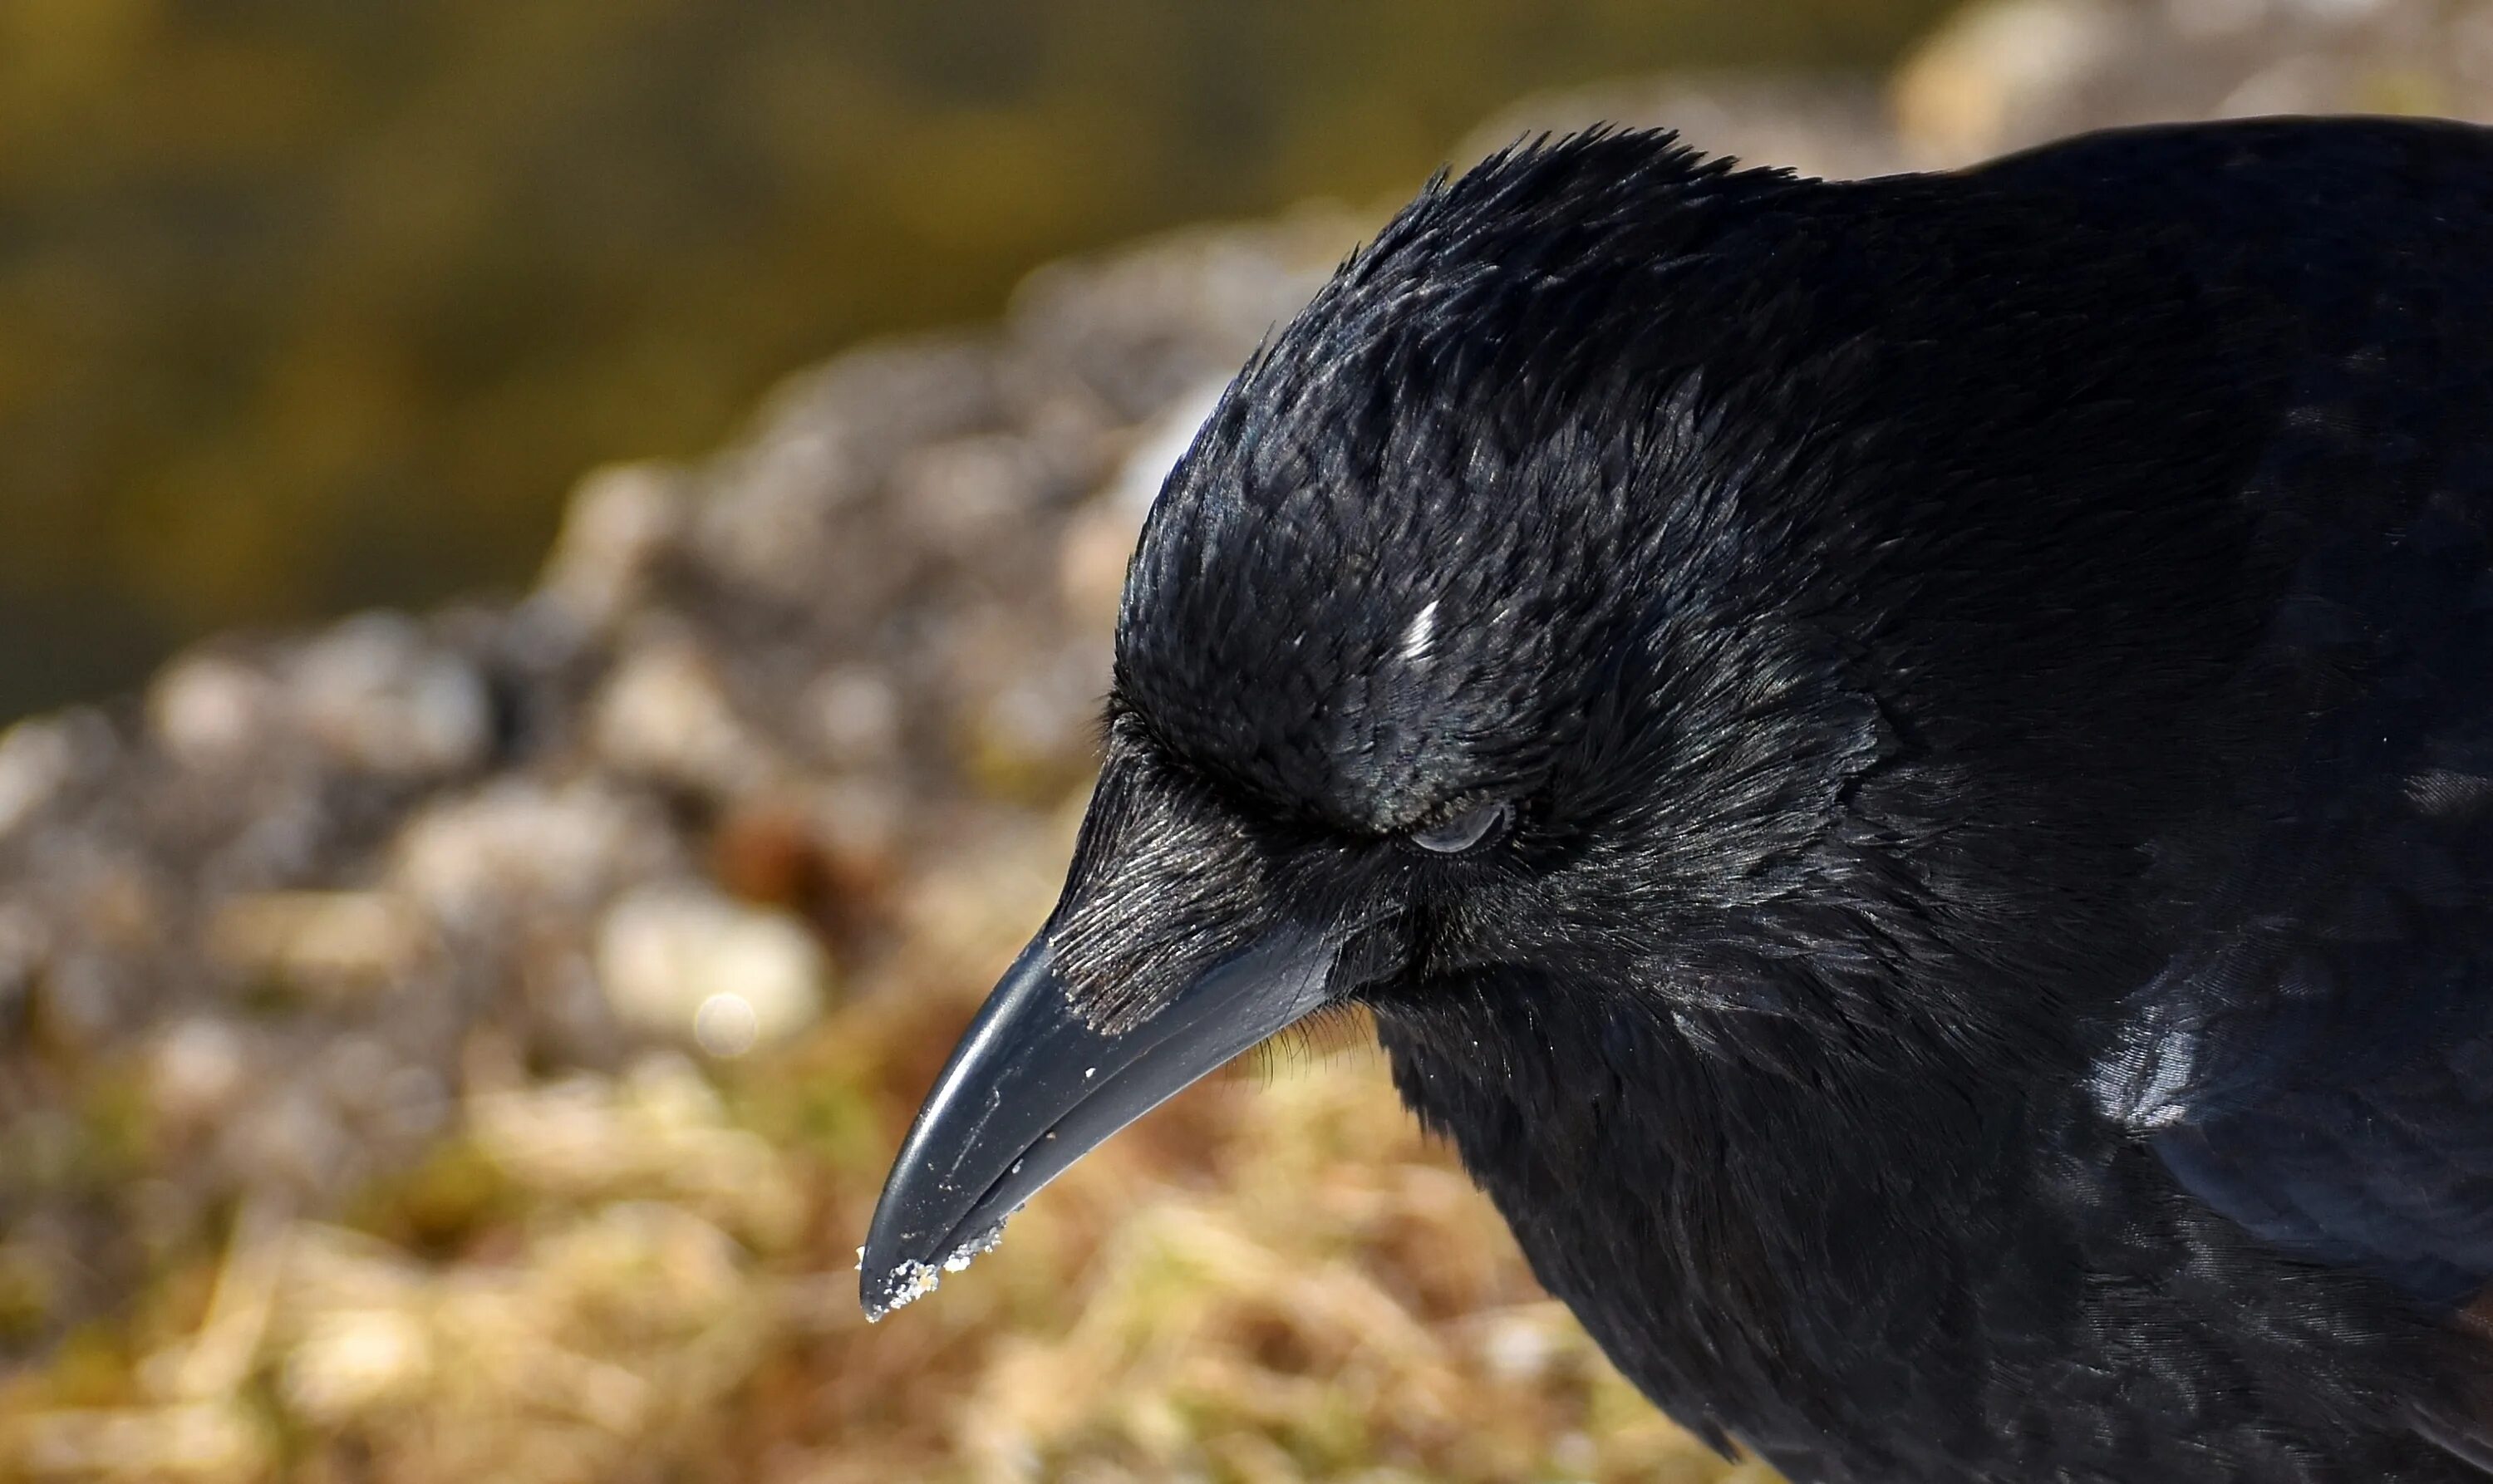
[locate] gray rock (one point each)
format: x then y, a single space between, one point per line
622 525
519 845
2015 73
683 963
376 695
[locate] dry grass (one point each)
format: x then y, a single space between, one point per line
650 1277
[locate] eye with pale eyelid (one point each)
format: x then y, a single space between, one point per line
1465 831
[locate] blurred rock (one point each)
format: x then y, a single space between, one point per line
1090 563
663 715
976 489
1140 329
1032 733
42 755
517 846
691 965
827 439
1977 86
855 714
289 1139
379 696
200 1070
622 522
81 1001
330 944
2008 74
214 711
2015 73
1157 445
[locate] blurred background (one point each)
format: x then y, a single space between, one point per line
310 306
558 560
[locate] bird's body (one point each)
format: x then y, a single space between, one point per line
1905 766
2131 1248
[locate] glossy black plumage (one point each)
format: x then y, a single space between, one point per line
1987 969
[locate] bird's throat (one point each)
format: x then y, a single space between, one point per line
1712 1221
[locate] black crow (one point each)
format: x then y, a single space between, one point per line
1905 767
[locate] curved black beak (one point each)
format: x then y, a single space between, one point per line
1032 1088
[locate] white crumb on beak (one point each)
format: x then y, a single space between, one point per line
916 1281
975 1248
1089 1073
1420 634
919 1279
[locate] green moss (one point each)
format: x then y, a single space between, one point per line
28 1289
91 1367
116 1119
442 1204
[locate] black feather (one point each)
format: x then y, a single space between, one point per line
1988 972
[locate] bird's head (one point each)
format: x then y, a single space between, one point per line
1532 603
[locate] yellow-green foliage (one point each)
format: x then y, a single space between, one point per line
310 306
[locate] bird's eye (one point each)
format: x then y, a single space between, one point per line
1463 832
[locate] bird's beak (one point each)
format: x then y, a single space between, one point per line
1032 1088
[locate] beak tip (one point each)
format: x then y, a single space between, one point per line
1032 1086
885 1285
872 1280
887 1276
